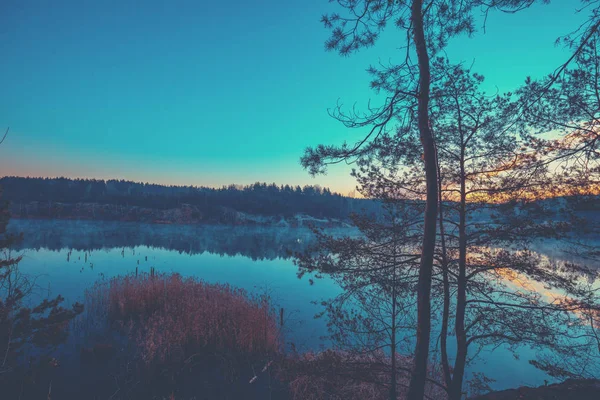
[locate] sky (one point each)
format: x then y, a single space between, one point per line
210 92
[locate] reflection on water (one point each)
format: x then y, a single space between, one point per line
66 257
257 243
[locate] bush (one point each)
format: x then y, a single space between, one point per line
341 375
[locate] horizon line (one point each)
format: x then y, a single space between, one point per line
236 185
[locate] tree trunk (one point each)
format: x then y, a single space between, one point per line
461 293
446 285
393 385
393 394
416 389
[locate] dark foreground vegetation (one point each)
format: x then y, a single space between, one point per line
28 330
160 336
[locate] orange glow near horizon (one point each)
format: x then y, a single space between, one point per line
173 182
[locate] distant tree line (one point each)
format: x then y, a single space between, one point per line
259 198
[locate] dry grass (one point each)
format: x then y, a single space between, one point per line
174 337
170 317
338 375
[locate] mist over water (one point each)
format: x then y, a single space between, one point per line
68 257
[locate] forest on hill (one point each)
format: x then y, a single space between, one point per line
257 204
72 198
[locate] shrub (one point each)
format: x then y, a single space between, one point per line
341 375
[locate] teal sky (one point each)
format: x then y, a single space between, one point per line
209 92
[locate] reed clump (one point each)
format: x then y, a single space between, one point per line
168 315
183 333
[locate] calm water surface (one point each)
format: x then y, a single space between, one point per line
66 257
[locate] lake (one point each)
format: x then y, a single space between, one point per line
66 257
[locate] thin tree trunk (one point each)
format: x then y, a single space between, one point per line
416 389
446 285
393 391
461 294
393 394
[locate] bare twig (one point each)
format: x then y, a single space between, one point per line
5 134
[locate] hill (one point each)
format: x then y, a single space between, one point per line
259 203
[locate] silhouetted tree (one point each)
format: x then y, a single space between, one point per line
425 28
24 328
497 197
493 177
378 273
562 110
